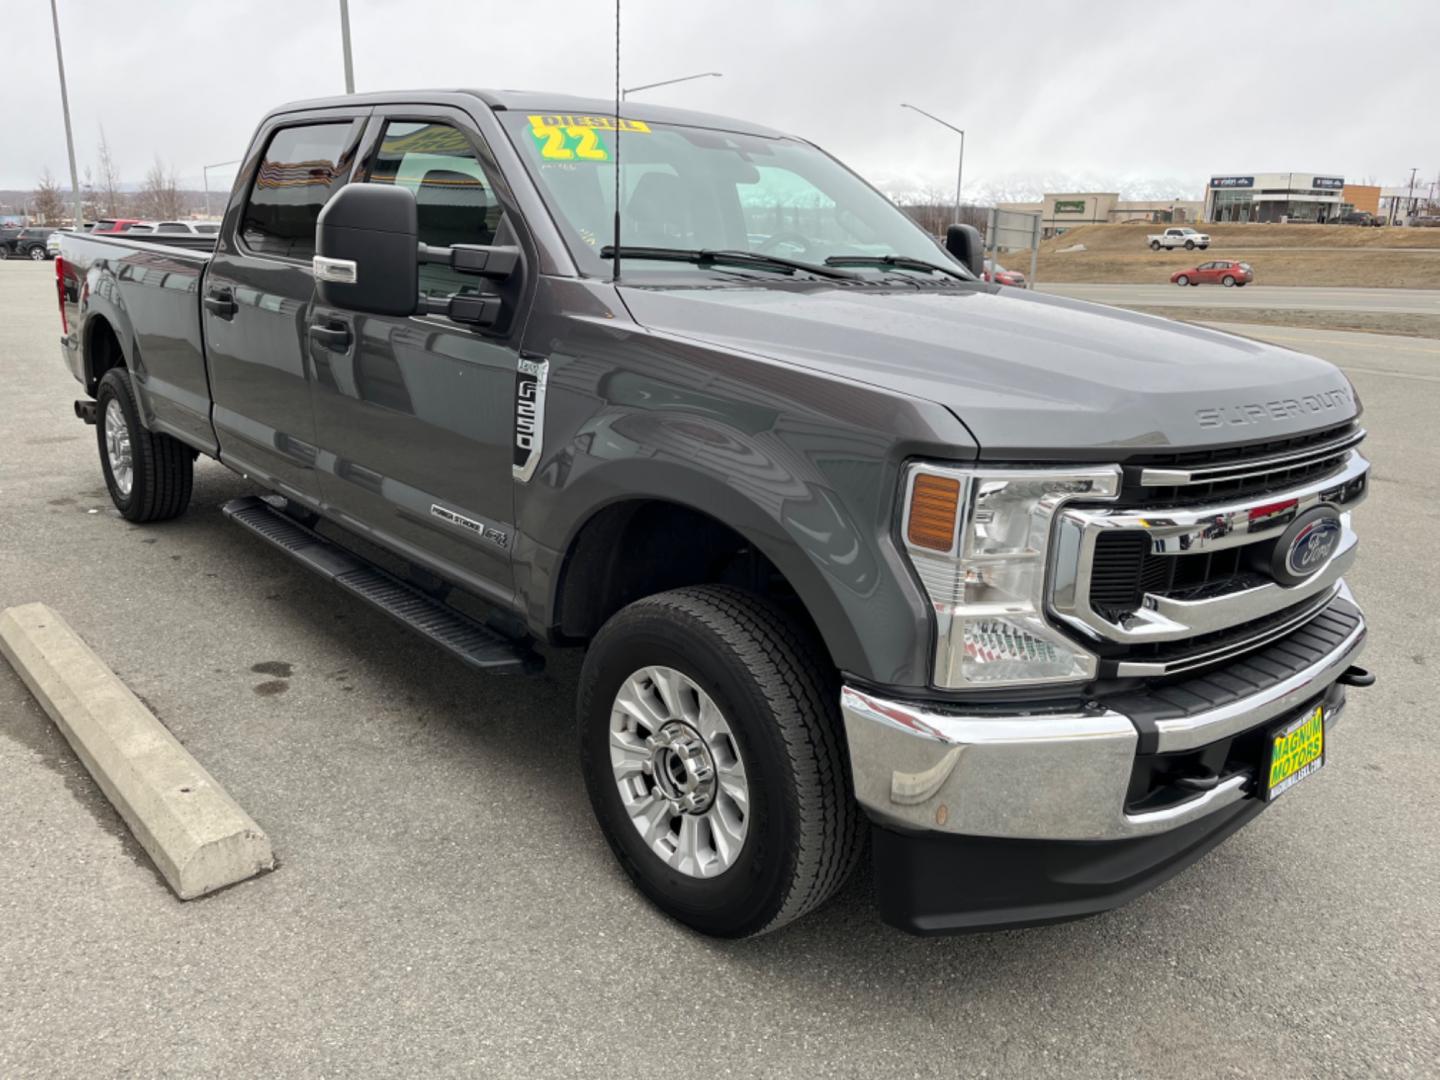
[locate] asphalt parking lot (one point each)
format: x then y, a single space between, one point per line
444 904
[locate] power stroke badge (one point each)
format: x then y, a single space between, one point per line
530 378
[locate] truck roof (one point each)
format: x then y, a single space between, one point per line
537 101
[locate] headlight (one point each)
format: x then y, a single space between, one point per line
979 539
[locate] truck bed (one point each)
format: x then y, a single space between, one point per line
148 292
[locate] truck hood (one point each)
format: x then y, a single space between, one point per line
1029 375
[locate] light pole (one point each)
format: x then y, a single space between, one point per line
69 139
205 179
670 82
1410 203
345 44
960 172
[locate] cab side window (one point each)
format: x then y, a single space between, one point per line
302 167
455 203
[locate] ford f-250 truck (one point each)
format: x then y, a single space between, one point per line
1045 597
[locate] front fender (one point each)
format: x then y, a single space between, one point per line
803 466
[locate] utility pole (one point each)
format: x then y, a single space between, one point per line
960 172
345 44
1410 202
205 179
69 138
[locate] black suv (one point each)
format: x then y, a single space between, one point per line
25 243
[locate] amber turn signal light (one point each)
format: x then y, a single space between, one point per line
934 504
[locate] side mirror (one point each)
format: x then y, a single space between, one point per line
963 241
366 243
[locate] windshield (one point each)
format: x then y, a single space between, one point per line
701 189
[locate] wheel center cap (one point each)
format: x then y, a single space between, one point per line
682 767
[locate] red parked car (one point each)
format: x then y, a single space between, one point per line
1220 272
1000 276
114 225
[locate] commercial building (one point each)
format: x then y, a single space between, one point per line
1362 197
1274 197
1065 210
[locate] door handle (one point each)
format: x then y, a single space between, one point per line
335 336
220 303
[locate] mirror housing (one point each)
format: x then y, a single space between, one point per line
963 241
366 250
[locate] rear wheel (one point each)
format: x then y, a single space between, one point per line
711 748
1154 245
149 476
1183 279
4 252
1228 281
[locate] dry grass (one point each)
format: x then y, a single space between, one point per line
1281 255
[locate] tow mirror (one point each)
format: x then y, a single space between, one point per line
963 241
369 258
366 243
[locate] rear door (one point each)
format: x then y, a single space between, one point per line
257 297
415 415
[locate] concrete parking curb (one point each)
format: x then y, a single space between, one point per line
199 838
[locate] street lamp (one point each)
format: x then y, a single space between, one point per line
205 179
669 82
345 46
960 172
69 139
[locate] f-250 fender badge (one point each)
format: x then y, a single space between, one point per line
530 378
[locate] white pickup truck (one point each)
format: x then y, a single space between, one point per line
1186 237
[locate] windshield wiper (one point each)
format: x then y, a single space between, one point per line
707 257
900 262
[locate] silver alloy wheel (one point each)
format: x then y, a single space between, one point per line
117 447
678 768
37 254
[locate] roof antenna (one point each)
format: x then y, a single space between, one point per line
615 248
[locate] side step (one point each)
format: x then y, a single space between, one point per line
472 641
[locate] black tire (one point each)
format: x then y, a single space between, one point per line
1182 280
4 252
36 252
782 704
1154 245
1189 245
163 468
1228 281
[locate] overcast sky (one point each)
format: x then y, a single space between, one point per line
1120 91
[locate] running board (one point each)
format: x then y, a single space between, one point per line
471 641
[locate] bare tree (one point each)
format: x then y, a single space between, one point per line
107 181
48 203
160 195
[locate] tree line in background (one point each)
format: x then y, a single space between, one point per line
102 195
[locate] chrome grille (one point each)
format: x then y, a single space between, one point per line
1156 588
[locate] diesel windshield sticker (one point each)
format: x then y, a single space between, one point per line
568 137
488 533
530 376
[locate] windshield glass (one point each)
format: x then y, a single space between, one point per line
699 188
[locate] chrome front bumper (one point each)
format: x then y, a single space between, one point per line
1047 776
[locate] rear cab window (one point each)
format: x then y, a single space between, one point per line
302 167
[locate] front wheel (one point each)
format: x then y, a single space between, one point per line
1182 280
712 751
149 476
1189 245
1228 281
36 253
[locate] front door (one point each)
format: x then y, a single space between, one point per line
415 415
256 298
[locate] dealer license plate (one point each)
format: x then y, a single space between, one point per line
1296 751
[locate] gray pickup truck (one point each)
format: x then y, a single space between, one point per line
1044 599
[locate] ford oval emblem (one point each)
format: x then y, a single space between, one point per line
1307 545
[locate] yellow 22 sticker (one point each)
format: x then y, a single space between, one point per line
567 137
